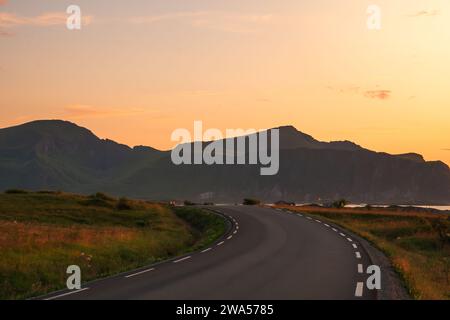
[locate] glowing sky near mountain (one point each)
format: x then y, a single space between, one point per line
140 69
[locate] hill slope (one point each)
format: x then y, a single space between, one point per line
61 155
41 234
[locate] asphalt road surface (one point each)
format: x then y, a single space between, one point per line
267 254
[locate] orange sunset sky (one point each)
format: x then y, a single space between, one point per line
139 69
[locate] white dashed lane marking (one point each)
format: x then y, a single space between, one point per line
360 268
229 237
206 250
235 231
66 294
182 259
138 273
359 285
359 289
220 243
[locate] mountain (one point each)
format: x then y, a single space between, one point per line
60 155
54 154
291 138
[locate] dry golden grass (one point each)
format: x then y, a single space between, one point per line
21 235
377 211
416 242
42 234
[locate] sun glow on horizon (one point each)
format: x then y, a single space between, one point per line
136 73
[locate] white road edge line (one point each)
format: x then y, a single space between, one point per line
349 239
354 246
334 229
309 218
220 243
342 234
300 215
358 255
360 268
229 237
138 273
318 221
66 294
182 259
206 250
326 225
235 231
359 289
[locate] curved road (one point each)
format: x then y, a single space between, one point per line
267 254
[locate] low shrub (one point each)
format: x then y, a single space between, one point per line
124 204
16 191
251 202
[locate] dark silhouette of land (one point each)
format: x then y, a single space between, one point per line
59 155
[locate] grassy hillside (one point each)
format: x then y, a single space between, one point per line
43 233
418 244
60 155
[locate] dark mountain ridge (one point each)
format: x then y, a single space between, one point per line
59 155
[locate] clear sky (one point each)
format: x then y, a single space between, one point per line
140 69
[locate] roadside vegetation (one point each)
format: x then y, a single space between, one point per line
417 243
206 226
42 233
251 202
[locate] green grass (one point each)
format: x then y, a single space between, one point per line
42 233
208 226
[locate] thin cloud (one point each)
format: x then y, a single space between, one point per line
216 20
87 111
345 90
223 21
4 33
165 17
199 93
12 20
234 23
425 13
371 94
378 94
